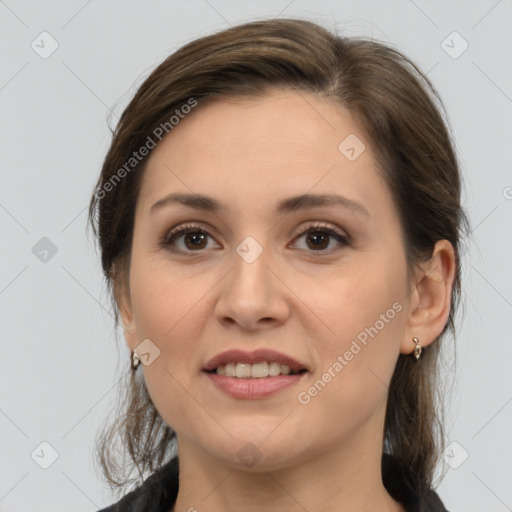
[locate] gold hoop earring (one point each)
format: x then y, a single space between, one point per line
135 361
417 349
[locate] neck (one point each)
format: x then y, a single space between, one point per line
340 480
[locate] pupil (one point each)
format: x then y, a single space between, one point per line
317 236
195 237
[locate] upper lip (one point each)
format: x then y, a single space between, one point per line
256 356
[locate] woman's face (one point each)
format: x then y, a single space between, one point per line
317 281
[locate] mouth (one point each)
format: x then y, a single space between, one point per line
252 375
261 370
258 364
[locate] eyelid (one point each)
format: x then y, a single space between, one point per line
342 237
184 227
320 225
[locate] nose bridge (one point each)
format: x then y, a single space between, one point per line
250 279
251 292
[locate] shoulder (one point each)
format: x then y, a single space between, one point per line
156 494
433 503
398 484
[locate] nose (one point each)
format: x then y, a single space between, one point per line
252 295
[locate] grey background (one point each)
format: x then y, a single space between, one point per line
60 361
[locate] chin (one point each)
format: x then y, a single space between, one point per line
258 453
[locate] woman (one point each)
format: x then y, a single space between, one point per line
279 221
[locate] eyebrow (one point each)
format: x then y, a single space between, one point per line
290 204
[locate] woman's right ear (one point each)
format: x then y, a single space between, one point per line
122 296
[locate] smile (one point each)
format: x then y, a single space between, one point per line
254 371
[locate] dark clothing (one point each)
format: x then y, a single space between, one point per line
159 491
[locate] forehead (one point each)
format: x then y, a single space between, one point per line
242 149
283 122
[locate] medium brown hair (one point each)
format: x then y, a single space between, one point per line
403 119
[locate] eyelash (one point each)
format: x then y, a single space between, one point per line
175 233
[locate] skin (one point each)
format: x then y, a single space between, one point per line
303 301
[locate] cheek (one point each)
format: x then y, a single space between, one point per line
169 311
365 296
366 312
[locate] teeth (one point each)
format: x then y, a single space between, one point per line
274 369
285 370
254 371
259 370
229 370
243 370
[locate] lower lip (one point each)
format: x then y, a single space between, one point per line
253 388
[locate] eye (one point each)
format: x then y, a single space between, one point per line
318 237
186 238
194 238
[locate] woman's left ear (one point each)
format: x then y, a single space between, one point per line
430 298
